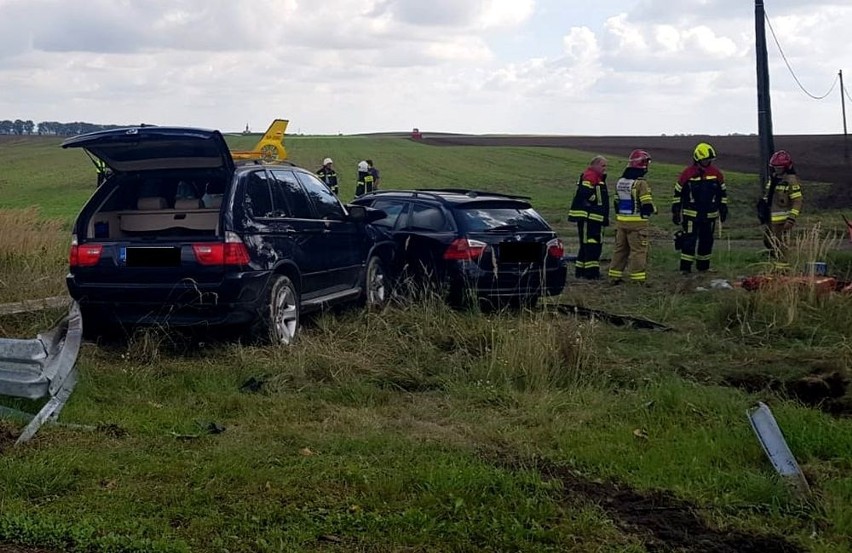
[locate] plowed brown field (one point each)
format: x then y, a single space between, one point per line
819 158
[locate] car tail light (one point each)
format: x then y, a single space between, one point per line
230 252
86 255
464 249
555 248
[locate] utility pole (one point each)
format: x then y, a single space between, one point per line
843 108
764 109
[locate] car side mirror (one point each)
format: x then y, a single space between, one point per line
364 214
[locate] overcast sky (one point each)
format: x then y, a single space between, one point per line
600 67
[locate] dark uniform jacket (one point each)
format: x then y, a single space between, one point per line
591 201
700 194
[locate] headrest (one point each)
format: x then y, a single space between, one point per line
152 202
187 203
212 200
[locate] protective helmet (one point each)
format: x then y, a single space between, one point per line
781 158
363 167
327 161
639 159
703 152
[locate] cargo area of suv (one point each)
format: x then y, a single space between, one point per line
179 234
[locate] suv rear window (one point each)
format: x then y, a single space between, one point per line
482 218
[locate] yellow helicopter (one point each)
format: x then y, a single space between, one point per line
268 148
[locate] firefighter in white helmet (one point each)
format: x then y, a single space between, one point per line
365 179
328 175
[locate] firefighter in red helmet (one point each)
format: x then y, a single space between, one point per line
780 205
633 207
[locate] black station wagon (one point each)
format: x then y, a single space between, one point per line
471 244
178 234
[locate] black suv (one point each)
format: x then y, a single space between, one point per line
472 244
179 234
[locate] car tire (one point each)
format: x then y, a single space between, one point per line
279 318
376 284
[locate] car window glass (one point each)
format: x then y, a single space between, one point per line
425 217
393 210
297 200
279 198
480 218
326 203
257 199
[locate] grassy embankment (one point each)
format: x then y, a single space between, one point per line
424 429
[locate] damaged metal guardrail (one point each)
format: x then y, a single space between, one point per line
43 367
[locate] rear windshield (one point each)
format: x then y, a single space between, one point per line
484 218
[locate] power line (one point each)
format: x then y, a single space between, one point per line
846 91
787 63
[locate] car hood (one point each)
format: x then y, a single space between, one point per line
152 148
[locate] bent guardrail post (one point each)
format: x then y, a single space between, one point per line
44 367
772 441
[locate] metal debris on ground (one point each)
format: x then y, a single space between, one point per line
772 441
39 368
720 284
613 319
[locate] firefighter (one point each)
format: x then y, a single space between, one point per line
780 205
590 210
633 207
365 179
328 175
375 173
700 198
102 170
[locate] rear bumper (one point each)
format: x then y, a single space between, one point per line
508 283
233 300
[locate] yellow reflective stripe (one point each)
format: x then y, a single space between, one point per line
638 276
588 184
645 198
712 214
703 257
592 264
578 213
590 241
685 257
795 195
690 213
794 212
596 217
725 200
779 218
615 274
629 218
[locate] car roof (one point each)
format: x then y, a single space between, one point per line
253 163
455 196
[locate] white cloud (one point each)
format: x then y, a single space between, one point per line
367 65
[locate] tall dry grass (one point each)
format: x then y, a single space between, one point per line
33 255
800 309
429 346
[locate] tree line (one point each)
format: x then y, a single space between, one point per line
50 128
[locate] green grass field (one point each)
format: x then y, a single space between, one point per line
421 428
